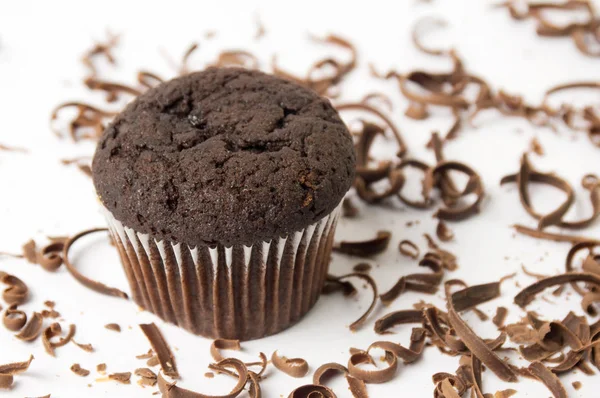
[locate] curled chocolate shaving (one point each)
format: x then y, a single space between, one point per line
147 355
471 340
409 249
365 248
349 209
55 330
444 233
6 381
32 329
161 348
383 324
223 344
16 292
527 295
417 164
407 355
333 285
101 49
15 367
79 371
295 367
417 31
112 90
14 319
239 58
184 69
500 317
122 377
82 164
149 79
312 391
88 117
357 387
544 374
174 391
113 326
424 283
379 98
369 195
371 282
556 237
372 376
87 282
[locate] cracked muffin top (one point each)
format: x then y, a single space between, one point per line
227 156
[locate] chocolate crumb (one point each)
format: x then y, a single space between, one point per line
576 385
209 375
500 317
101 368
123 377
362 267
113 326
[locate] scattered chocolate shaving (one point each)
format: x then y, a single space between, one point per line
295 367
556 237
417 31
357 387
101 368
82 164
209 375
32 329
238 58
149 79
471 340
379 98
113 326
85 347
14 319
161 348
349 209
383 324
123 377
14 368
88 117
184 69
366 248
260 29
312 391
223 344
372 376
101 49
16 292
544 374
96 286
536 147
29 251
79 371
55 330
174 391
147 355
371 282
147 377
409 249
333 285
576 385
113 90
444 233
6 381
500 317
527 295
362 267
424 283
153 361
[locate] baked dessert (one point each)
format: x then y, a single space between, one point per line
222 189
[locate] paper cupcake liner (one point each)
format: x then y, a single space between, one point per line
239 292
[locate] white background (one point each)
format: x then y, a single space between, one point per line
40 48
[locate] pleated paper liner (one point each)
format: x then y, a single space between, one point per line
239 292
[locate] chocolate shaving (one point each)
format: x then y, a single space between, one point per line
6 381
153 361
357 387
184 69
362 267
312 391
536 147
366 248
379 97
149 79
471 340
383 324
123 377
79 371
87 282
576 385
103 49
371 282
372 376
416 34
349 209
527 295
113 326
88 117
409 249
333 285
407 355
147 355
444 233
238 58
174 391
147 377
11 369
32 329
85 347
161 348
55 330
295 367
223 344
500 317
556 237
101 368
16 292
14 319
544 374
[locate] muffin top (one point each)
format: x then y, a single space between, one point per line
226 155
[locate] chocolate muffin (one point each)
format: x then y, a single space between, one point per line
222 190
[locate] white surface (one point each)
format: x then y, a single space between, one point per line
40 47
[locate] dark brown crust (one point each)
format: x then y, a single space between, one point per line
193 161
